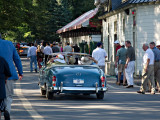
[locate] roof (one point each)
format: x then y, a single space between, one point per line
77 23
141 1
117 4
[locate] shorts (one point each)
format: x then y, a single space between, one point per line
2 105
121 68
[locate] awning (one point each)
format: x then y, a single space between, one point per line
81 21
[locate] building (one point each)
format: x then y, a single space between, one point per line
82 30
134 20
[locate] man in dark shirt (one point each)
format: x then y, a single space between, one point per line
55 49
130 64
76 48
156 52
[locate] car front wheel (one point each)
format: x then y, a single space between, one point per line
100 95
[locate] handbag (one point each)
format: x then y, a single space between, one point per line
41 54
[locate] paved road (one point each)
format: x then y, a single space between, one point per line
119 103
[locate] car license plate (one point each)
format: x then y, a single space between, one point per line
78 81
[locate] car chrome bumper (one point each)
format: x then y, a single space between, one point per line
104 89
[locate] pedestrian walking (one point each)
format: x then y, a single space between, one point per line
60 47
117 44
9 53
76 49
67 48
40 56
148 70
55 49
33 57
51 45
4 75
130 64
47 51
100 55
156 52
121 60
42 47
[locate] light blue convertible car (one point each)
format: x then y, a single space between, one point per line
66 77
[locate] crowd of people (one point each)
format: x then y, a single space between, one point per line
37 53
125 62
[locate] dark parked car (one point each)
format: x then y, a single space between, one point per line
23 50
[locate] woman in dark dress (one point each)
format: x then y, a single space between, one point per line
4 74
40 56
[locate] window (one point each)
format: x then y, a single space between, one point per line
108 48
134 22
108 28
124 25
134 39
115 26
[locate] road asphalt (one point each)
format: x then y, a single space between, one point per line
119 103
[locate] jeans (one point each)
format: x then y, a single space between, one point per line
33 59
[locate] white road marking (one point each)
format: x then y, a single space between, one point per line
27 105
110 86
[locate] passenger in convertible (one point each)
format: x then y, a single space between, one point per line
88 61
58 60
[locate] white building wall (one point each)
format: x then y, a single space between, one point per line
148 29
121 36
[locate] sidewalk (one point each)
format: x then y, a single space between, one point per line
137 81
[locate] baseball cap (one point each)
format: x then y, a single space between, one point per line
116 42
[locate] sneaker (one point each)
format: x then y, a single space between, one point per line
130 86
141 92
6 115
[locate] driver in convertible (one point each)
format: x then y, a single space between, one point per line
88 61
58 60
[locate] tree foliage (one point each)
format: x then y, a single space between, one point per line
29 20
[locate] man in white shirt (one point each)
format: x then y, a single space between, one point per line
33 58
47 51
148 70
100 55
